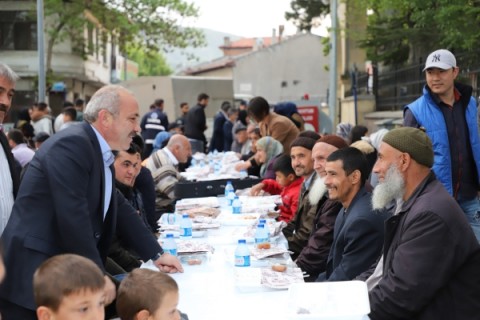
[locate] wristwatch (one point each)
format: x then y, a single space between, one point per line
158 255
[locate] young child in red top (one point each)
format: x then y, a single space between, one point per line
287 184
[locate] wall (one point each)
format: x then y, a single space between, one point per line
365 104
284 71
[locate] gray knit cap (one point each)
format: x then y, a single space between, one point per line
413 141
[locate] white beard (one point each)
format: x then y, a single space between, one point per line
317 190
392 188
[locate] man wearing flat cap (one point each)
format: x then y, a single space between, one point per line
448 112
430 264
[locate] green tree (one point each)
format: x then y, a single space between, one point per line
149 63
400 31
305 12
151 24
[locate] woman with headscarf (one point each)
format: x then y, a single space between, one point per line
268 149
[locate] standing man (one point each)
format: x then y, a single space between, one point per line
431 258
358 233
218 135
313 257
67 202
299 228
272 124
448 112
152 123
184 107
196 122
9 172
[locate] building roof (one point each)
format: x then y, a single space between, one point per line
248 43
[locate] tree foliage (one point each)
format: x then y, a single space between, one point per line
400 31
305 13
149 63
151 24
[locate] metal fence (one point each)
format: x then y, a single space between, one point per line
398 86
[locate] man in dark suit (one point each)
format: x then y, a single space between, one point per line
9 171
358 232
196 122
67 202
217 140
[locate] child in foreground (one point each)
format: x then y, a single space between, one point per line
286 183
69 287
147 294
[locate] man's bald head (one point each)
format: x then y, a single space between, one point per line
180 147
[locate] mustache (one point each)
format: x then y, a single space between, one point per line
3 107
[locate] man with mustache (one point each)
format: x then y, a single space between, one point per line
448 112
358 232
299 228
313 257
9 169
431 258
67 202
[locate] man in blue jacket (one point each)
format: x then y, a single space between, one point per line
358 232
448 113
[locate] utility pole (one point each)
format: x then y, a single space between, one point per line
332 96
41 53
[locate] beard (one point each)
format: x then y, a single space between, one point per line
392 188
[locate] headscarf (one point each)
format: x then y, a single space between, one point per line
343 130
272 148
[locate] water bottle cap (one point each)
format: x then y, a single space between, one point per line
236 198
264 221
185 215
242 241
261 225
169 235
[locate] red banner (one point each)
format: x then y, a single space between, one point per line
310 115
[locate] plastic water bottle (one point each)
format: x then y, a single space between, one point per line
186 226
242 254
216 168
229 188
267 230
243 174
194 162
261 235
169 245
236 205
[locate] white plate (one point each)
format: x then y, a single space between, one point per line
176 234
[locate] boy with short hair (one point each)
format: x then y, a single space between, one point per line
148 294
286 183
68 287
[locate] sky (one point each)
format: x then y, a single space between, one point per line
245 18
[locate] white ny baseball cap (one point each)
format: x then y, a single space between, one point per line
441 59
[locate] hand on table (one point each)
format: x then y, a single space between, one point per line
256 189
168 264
243 165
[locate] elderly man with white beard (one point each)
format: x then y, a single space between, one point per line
313 257
431 257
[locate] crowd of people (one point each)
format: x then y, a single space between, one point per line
396 208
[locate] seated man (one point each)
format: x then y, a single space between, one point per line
358 233
431 258
127 166
164 167
299 229
313 258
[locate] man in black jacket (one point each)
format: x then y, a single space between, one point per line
196 122
430 264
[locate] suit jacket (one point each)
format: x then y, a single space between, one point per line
217 140
196 124
13 165
59 209
357 239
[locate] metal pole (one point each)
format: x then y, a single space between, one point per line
332 97
41 52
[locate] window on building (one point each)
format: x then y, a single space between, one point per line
18 31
